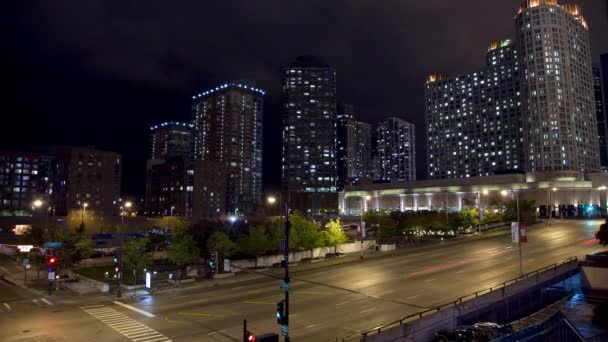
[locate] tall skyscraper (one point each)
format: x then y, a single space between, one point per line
474 120
397 150
170 171
22 181
354 148
557 88
309 126
228 150
170 139
601 117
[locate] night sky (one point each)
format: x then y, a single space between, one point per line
102 72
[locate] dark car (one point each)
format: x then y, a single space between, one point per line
478 332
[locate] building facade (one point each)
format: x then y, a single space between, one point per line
170 139
170 170
474 120
88 176
396 150
354 150
23 180
601 117
227 124
309 126
557 88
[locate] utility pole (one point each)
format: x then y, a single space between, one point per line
285 328
521 266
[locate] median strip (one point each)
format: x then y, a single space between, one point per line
255 302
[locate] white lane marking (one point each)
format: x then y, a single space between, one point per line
143 312
344 303
198 301
458 272
7 306
368 310
387 292
35 301
311 326
254 291
429 280
125 325
216 332
4 269
530 260
46 301
184 296
293 315
412 297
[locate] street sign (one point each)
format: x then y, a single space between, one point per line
524 236
53 244
284 286
148 280
362 229
226 265
25 261
51 276
28 266
514 231
24 248
284 330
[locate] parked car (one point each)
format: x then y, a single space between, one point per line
478 332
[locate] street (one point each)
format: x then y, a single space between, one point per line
326 302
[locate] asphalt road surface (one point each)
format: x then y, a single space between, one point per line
326 302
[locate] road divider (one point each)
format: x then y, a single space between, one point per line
143 312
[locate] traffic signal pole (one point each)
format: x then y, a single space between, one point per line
286 279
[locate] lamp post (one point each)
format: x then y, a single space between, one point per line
361 228
504 193
172 208
84 209
127 206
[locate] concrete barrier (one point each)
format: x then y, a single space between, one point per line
423 325
594 278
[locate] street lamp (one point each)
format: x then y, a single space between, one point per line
271 200
127 206
172 208
504 193
37 203
363 198
84 209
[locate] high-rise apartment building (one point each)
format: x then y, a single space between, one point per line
23 179
354 148
170 139
228 150
557 88
601 117
170 170
85 175
532 107
309 126
397 150
474 120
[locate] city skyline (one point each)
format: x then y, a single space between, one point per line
132 101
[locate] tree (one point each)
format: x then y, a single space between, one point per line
35 235
602 234
527 211
134 255
387 229
155 240
221 243
334 234
81 228
183 250
467 218
74 248
254 243
305 233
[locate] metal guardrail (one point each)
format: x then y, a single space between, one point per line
415 316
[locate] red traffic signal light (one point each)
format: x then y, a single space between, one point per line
52 260
250 337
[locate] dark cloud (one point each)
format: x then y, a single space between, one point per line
382 51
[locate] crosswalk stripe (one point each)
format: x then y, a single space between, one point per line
125 325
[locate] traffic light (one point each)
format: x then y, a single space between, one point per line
213 261
116 264
281 312
250 336
52 261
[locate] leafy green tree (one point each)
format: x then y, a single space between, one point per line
387 229
154 241
527 211
74 248
183 250
254 243
371 218
220 242
134 255
334 234
305 234
467 218
602 234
